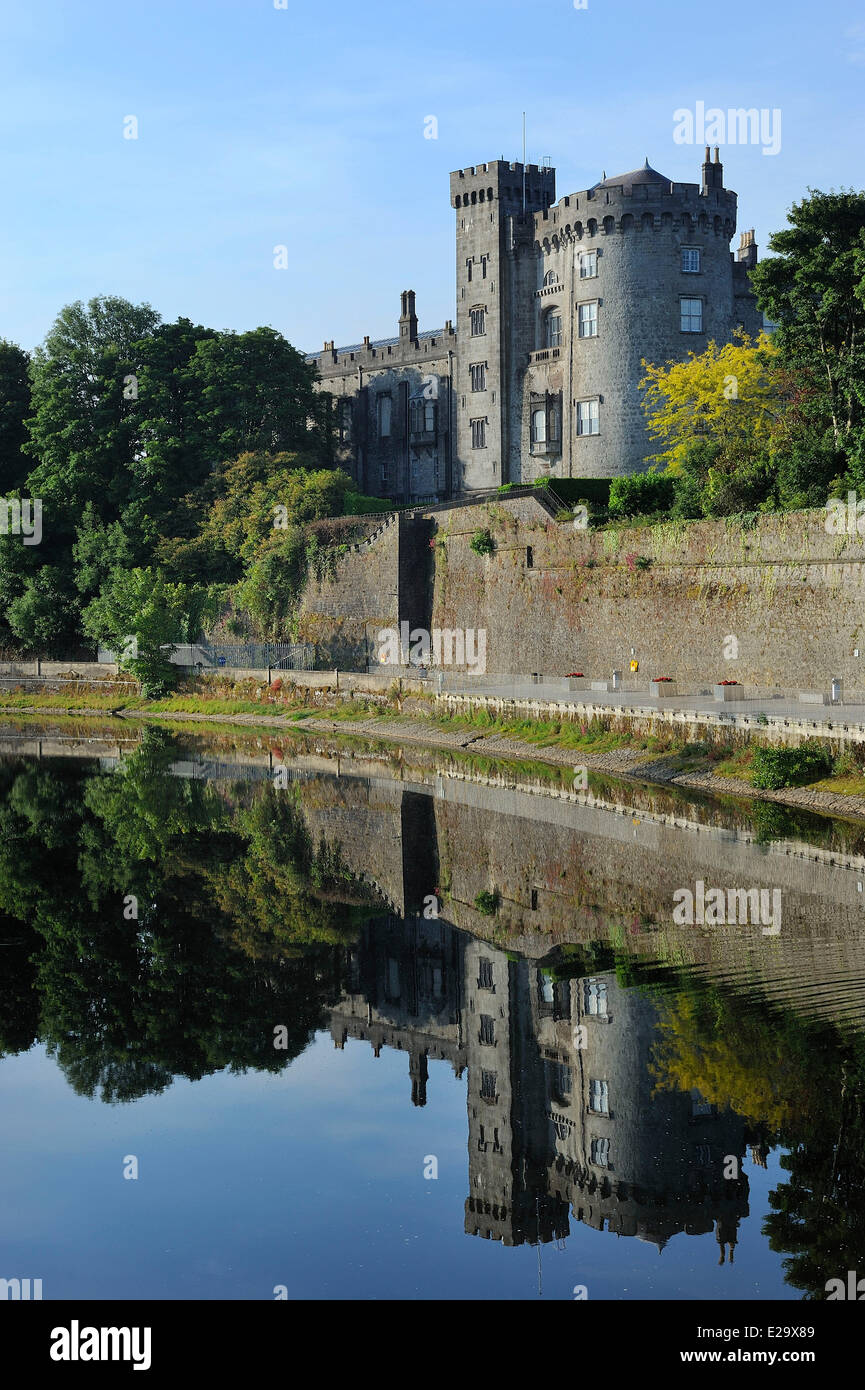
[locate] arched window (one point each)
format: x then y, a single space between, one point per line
539 426
551 278
422 415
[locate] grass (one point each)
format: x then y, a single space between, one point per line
186 704
553 733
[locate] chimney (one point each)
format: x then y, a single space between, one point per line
408 317
747 252
706 172
717 171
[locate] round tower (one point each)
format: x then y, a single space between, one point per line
636 268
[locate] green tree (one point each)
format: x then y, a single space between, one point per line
258 394
14 411
811 286
141 604
84 432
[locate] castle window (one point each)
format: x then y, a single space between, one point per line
479 376
553 329
469 269
588 420
484 260
383 406
600 1153
422 416
488 1085
488 1030
595 998
599 1097
485 973
691 260
545 422
478 322
551 278
479 434
589 320
560 1082
692 315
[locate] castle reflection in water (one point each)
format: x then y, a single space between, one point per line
564 1113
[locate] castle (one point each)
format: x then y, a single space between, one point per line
558 303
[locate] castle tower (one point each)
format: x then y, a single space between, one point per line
491 201
636 268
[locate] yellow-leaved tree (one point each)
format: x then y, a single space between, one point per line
729 396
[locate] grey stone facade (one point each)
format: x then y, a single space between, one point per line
558 305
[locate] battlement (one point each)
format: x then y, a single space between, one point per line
618 208
408 348
501 181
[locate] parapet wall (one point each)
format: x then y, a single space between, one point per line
777 605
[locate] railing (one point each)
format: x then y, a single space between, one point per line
280 656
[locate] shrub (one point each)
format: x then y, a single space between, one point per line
790 767
482 543
487 903
640 494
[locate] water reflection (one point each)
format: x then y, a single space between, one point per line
165 908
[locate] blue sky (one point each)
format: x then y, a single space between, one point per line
304 127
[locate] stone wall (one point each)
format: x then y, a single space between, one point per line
779 604
776 605
343 614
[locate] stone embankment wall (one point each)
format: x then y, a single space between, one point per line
343 614
776 605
